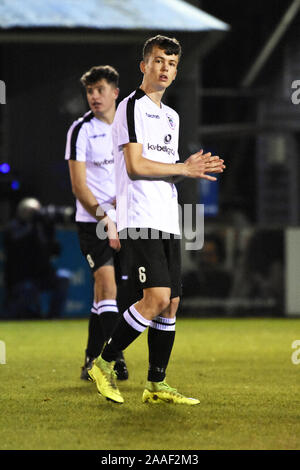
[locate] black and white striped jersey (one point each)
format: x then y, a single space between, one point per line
151 203
89 140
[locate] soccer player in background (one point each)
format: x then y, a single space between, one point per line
91 165
145 140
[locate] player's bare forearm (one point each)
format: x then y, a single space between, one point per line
91 205
140 167
89 202
197 165
82 192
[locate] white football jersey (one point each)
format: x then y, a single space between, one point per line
150 203
89 140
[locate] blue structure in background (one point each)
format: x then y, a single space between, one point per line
81 288
209 196
105 15
80 293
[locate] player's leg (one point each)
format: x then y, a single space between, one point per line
104 312
106 294
129 327
161 335
126 296
136 319
97 254
150 268
104 290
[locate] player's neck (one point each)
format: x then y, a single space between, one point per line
106 117
154 95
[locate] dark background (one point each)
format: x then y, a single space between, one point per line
254 128
44 97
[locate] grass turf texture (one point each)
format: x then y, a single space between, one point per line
241 370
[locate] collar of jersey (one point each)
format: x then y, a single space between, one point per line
140 93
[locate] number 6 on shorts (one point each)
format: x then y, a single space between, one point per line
142 274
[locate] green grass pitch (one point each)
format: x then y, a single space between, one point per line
241 369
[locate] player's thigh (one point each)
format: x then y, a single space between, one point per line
148 263
127 290
104 282
96 251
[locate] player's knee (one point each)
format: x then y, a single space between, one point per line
105 289
108 291
170 311
163 303
175 302
159 301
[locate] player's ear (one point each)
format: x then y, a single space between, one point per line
142 66
117 91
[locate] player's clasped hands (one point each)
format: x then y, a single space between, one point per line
200 164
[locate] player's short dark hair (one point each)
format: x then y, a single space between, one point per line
169 45
98 72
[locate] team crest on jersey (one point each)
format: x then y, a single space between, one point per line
171 121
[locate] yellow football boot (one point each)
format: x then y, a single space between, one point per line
102 372
161 392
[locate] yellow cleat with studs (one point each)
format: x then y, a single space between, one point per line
161 392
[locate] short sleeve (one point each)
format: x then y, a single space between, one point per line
127 123
76 144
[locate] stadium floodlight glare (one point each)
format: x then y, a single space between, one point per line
4 168
15 185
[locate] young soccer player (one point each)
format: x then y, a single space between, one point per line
145 140
91 165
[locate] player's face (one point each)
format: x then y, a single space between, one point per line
101 97
159 69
